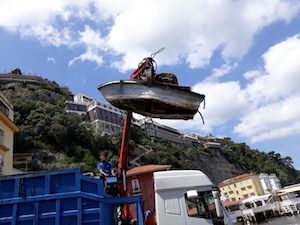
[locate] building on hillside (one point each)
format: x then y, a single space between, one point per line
240 187
140 181
269 182
7 130
80 109
16 77
210 144
189 139
161 132
104 118
83 99
24 159
233 210
213 142
79 104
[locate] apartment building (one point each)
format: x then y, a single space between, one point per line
7 130
269 182
240 187
104 118
158 131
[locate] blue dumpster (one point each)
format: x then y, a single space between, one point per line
62 197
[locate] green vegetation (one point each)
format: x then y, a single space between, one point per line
165 152
44 125
261 162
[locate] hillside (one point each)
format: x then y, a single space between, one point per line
59 139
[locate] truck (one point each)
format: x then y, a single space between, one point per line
66 197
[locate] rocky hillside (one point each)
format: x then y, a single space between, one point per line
59 139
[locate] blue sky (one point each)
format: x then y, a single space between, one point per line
244 55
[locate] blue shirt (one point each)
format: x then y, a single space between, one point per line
105 167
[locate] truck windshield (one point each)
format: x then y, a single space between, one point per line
202 206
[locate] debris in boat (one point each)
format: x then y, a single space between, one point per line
153 95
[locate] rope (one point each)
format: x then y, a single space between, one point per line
201 117
158 51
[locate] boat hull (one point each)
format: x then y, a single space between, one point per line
156 101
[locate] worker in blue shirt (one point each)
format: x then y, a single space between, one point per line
105 167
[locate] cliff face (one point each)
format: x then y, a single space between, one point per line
216 166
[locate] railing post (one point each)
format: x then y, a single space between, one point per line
139 212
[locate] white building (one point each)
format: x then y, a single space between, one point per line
104 118
269 182
158 131
83 99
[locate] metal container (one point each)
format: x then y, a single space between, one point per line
63 197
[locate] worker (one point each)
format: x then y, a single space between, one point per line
105 167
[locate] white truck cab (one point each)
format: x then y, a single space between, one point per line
187 197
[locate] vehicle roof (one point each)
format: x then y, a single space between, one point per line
179 179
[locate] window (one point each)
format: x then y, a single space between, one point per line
135 186
230 192
233 199
1 137
202 206
259 203
234 185
237 192
249 186
172 205
1 163
246 196
4 108
243 189
252 194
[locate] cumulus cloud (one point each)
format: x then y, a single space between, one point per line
191 30
280 76
276 120
224 102
275 93
93 43
265 109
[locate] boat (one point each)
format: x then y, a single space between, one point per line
156 100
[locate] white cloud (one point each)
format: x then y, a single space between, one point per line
275 94
89 55
192 31
252 74
228 26
223 70
51 59
93 43
280 76
266 109
224 102
272 121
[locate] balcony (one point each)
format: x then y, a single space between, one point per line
4 109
